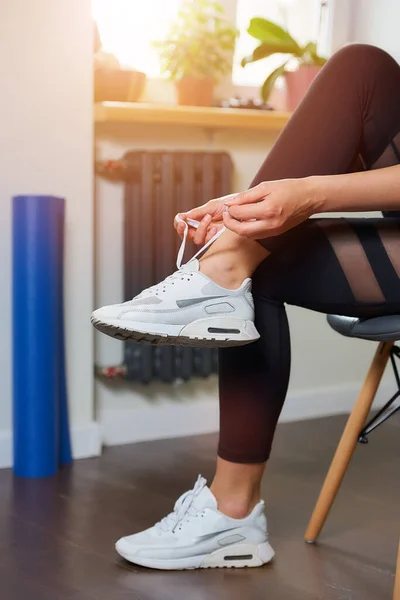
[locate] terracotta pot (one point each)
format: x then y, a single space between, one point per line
298 82
118 85
195 91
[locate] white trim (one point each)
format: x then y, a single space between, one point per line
5 449
169 419
86 442
341 23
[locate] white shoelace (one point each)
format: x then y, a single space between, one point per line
180 273
183 508
195 224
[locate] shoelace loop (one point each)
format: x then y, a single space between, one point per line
181 273
183 508
195 224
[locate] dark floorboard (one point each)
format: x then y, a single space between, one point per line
57 535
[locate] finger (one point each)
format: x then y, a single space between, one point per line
211 232
214 207
197 213
250 229
224 199
245 212
249 196
201 232
179 220
180 228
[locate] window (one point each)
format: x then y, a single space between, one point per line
127 28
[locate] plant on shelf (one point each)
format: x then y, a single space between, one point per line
111 82
197 51
275 39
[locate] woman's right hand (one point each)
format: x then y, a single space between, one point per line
210 218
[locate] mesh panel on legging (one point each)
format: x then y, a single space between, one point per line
342 266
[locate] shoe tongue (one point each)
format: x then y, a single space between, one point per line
205 499
192 265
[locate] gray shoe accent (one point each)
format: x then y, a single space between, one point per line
219 308
191 301
145 301
212 289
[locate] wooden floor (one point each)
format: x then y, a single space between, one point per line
57 536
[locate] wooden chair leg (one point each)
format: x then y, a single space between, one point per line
348 441
396 593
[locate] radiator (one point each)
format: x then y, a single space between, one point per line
159 184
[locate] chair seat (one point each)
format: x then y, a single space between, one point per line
377 329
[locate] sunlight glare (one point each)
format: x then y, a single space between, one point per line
127 28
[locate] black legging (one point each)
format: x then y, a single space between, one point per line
342 266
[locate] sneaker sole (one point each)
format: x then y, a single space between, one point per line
237 556
213 332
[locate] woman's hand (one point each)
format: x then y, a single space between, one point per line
210 217
271 208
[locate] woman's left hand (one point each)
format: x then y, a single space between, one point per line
272 207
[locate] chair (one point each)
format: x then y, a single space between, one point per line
386 331
396 594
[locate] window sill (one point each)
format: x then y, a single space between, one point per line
210 118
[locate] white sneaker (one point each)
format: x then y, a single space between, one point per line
197 536
187 308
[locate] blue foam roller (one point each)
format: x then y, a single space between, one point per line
37 253
64 444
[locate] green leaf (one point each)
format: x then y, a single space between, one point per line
271 80
267 31
269 48
311 55
319 60
310 48
200 41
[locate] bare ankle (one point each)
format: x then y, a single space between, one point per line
227 275
236 508
237 487
231 260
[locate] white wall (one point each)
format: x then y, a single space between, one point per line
377 22
46 147
327 369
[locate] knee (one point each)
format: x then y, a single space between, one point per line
355 58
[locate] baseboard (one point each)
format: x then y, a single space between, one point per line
177 419
5 449
125 426
85 439
327 402
128 425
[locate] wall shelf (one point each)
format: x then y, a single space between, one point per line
193 116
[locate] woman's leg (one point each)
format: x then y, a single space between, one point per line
340 266
351 110
350 115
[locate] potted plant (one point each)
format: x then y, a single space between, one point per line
197 51
111 82
274 39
